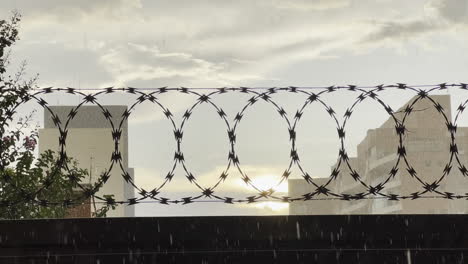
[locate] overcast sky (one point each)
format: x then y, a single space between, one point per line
139 43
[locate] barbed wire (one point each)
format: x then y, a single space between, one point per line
209 193
398 85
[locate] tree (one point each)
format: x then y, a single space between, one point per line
30 187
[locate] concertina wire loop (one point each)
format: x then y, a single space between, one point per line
311 95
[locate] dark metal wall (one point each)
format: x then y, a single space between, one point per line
256 239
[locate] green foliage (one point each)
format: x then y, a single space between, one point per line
28 180
30 187
102 212
8 36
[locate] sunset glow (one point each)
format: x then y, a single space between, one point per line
266 182
274 206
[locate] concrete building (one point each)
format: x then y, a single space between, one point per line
90 142
427 143
298 187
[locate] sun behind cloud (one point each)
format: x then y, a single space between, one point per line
265 182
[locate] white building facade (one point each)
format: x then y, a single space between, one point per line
89 141
427 143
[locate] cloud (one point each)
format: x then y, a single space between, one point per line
60 65
159 43
271 207
233 187
150 113
308 5
455 11
136 62
152 208
440 15
133 61
70 10
260 176
400 30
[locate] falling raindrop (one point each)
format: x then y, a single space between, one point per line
298 230
408 256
